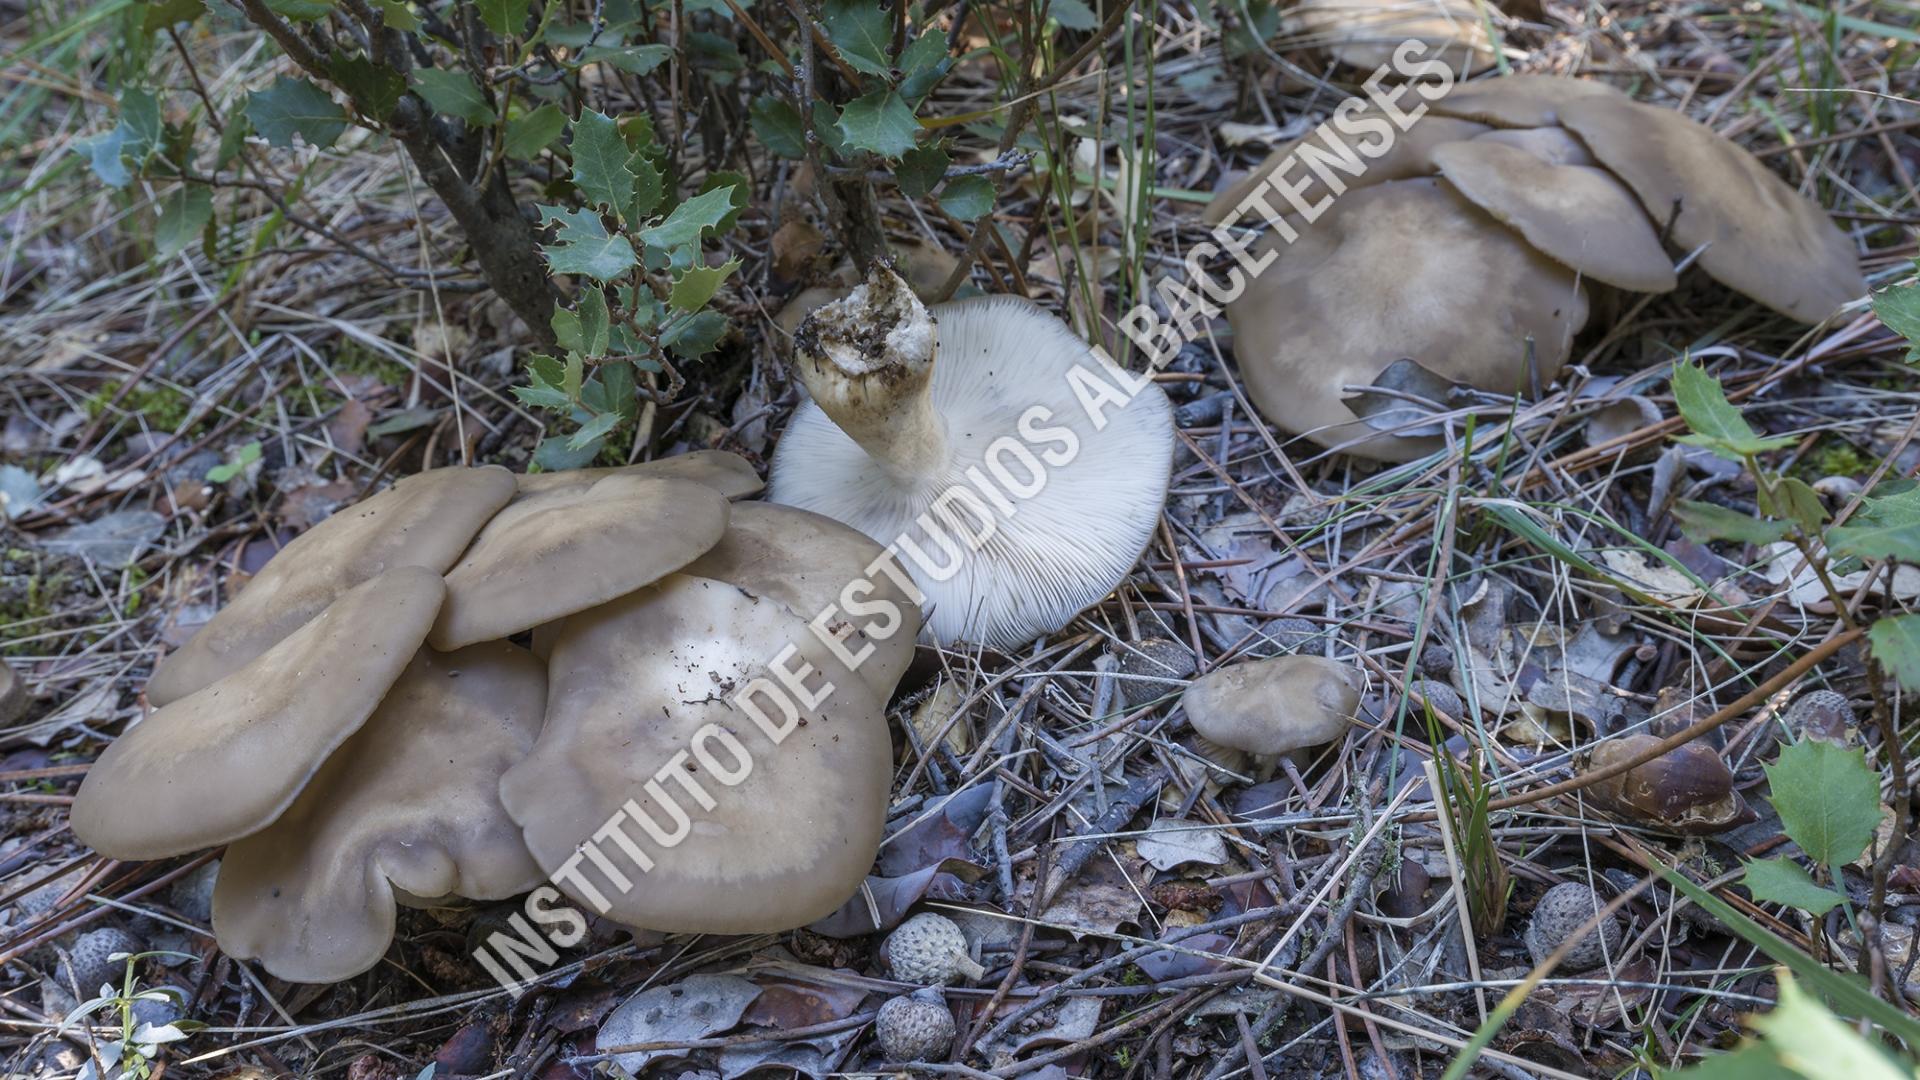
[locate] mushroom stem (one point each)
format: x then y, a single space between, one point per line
868 362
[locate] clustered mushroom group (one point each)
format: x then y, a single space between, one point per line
442 691
1462 257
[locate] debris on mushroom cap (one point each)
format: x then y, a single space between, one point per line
1762 238
1564 909
728 473
660 673
1408 155
226 761
1366 33
568 548
1519 101
1688 790
1276 705
810 564
891 439
424 520
1577 215
411 803
1404 269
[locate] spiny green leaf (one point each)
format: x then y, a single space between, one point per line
1783 881
1716 424
140 119
1812 1041
1899 309
861 30
967 197
183 213
583 246
295 107
923 64
692 289
1072 14
920 169
398 16
600 162
1827 798
695 336
777 123
593 431
554 455
632 59
1894 641
690 219
374 88
827 128
454 94
103 156
1885 528
648 187
1702 521
738 200
233 139
534 132
504 17
880 122
1795 500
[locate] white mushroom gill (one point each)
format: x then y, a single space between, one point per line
1018 477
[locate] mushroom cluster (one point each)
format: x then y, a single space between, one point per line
364 727
1020 476
1457 262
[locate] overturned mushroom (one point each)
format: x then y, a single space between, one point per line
424 520
1020 475
227 760
1688 790
1274 706
411 802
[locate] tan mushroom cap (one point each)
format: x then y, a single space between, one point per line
567 549
424 520
1365 33
409 805
1766 240
1410 154
224 762
632 684
1397 270
1577 215
1553 145
1519 101
1275 706
807 562
728 473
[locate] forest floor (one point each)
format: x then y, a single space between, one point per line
166 424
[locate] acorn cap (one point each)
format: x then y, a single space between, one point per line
423 520
226 761
1762 238
410 803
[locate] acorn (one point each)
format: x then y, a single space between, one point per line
930 950
915 1028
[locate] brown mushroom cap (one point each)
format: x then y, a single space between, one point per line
1579 216
1553 145
1365 33
806 561
728 473
410 803
226 761
1274 706
1519 101
569 548
1410 154
632 683
1763 239
1402 269
424 520
1688 790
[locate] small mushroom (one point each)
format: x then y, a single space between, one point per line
729 474
906 449
1577 215
226 761
1366 33
1688 790
1404 269
424 520
1562 911
1275 706
1761 237
790 804
571 547
411 803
